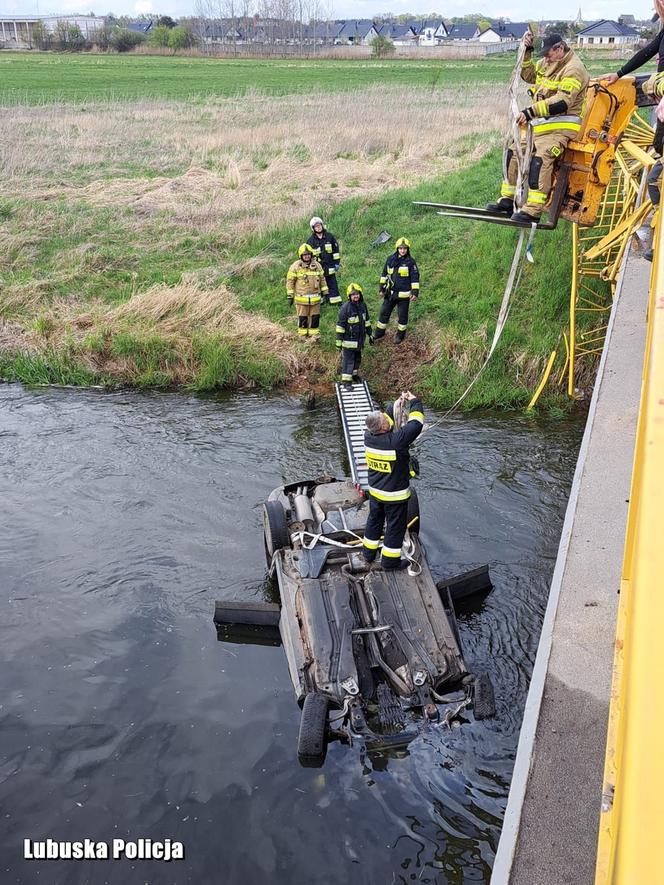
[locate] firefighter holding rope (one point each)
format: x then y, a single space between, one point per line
559 84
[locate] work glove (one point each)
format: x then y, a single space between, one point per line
336 267
371 339
291 299
338 344
649 86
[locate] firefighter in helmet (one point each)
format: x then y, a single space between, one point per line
327 253
560 83
305 285
399 285
353 329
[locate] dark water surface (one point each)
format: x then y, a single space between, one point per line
123 517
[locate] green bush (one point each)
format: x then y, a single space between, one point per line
381 46
125 40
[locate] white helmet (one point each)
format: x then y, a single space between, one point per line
314 221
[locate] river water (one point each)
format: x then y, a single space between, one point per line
124 515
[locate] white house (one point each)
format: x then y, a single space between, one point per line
430 33
18 30
489 36
607 33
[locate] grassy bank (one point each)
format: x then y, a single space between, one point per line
228 324
147 244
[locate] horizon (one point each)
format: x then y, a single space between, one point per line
514 10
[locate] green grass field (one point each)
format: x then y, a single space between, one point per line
34 78
27 78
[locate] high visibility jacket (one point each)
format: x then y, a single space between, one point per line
305 282
327 252
353 325
388 460
400 276
559 93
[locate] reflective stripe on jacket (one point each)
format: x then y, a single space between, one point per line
388 460
353 325
559 87
326 251
401 276
305 282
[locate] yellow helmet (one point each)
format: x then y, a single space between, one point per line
305 247
402 241
353 287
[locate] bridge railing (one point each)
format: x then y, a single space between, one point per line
632 813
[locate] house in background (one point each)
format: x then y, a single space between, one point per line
18 31
400 35
503 32
607 33
462 33
356 32
430 33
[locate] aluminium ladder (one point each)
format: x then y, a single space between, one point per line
354 405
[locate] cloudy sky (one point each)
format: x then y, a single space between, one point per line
516 10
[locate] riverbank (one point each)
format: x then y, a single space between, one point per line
150 249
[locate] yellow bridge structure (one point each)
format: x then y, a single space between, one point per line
614 815
631 810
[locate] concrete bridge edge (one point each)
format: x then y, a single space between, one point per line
505 853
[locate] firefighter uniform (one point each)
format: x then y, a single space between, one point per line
389 486
305 284
555 116
327 253
353 328
399 282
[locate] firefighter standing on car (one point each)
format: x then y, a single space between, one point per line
327 253
388 461
305 285
399 285
353 329
559 98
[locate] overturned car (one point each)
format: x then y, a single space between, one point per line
373 655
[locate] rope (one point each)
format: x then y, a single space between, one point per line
513 138
522 153
512 283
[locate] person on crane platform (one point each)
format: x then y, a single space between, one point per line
388 461
399 285
305 284
560 82
327 253
353 329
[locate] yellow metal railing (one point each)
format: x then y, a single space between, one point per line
597 258
633 794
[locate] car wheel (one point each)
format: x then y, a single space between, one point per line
414 513
312 740
484 701
275 529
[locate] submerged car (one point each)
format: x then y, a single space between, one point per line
372 654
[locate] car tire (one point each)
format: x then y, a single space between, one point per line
312 740
275 529
414 512
484 700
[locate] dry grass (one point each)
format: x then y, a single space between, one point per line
238 166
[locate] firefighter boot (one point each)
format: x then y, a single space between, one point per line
503 206
524 217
